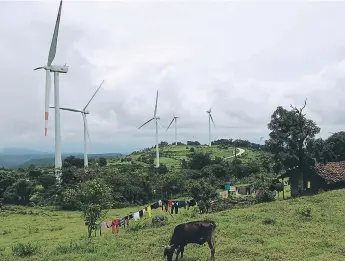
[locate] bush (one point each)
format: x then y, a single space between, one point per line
304 212
265 195
269 221
24 250
159 220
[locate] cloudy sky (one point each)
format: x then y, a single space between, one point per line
240 59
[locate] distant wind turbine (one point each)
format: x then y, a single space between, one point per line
174 119
209 126
86 128
56 69
157 123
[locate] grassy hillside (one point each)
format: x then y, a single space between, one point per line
171 156
280 230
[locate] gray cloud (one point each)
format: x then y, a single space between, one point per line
240 59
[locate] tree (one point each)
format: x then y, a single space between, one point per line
102 162
290 136
71 161
334 147
203 192
93 198
198 160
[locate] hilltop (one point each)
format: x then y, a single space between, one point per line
280 230
172 155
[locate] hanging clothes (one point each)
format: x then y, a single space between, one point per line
109 224
176 206
136 216
172 208
127 220
130 216
159 202
182 204
155 205
165 205
103 225
225 194
141 213
149 210
115 226
170 203
122 222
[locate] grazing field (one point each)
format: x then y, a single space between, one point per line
282 230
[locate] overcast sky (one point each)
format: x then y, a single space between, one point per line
241 59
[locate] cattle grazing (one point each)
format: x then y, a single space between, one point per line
195 232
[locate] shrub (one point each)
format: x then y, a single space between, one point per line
269 221
304 212
24 250
159 220
265 195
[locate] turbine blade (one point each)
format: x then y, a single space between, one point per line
68 109
93 96
156 105
159 124
38 68
212 120
53 44
146 123
170 123
46 109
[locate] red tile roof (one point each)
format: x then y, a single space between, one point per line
332 171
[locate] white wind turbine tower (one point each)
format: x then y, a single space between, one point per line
209 126
86 128
157 123
174 119
56 69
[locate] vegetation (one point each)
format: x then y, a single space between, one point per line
280 230
111 186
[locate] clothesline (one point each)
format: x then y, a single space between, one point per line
167 205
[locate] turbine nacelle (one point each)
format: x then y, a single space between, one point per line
54 68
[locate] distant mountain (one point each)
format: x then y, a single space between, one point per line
21 158
19 151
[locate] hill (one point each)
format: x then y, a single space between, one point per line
15 158
281 230
172 155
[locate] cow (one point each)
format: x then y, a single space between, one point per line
194 232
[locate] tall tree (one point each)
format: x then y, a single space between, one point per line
291 133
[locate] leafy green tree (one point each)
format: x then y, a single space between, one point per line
203 192
334 147
93 198
71 161
102 162
291 133
198 160
19 192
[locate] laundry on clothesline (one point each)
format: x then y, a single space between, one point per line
172 206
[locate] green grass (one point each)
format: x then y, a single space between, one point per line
280 230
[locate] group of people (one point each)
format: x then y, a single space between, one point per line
167 205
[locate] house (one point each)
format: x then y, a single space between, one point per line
328 176
245 190
324 177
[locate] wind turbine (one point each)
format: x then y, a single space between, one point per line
209 126
174 119
86 129
157 123
56 69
